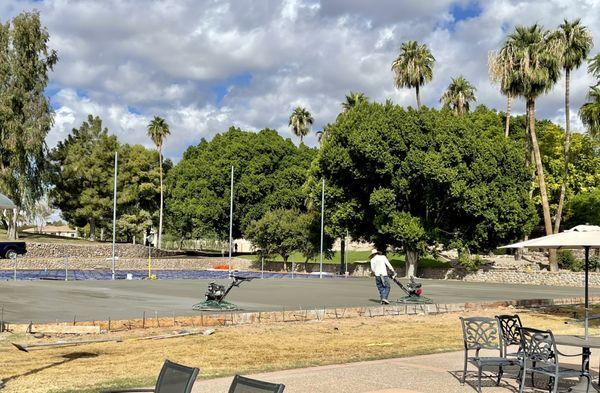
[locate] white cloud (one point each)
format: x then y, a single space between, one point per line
127 61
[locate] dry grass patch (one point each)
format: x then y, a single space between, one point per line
239 349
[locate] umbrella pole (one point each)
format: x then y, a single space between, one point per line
587 268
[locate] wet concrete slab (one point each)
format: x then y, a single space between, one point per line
49 301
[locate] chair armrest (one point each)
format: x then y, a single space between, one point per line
564 354
128 390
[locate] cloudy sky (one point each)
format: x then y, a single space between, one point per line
207 65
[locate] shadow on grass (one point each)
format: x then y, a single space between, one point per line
69 357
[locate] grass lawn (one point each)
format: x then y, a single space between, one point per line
396 260
40 238
241 349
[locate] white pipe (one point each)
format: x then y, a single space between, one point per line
114 239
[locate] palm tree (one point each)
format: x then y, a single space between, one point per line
576 43
354 99
501 68
300 121
413 67
158 129
590 112
537 68
594 66
458 95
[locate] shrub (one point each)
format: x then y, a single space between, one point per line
470 263
566 260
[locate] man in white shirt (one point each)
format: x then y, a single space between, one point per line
379 267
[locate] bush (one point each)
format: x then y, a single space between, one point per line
566 260
470 263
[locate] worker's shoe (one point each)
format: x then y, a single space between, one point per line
385 301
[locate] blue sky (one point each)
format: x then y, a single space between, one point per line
208 65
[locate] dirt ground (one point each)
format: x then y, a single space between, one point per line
241 349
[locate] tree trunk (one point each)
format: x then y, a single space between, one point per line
160 216
343 255
12 225
92 229
563 186
285 259
412 258
540 174
507 125
418 97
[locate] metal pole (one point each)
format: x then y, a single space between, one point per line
322 223
262 267
587 268
114 216
15 271
230 220
66 269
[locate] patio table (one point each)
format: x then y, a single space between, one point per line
586 345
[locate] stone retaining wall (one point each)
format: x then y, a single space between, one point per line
124 263
562 278
92 250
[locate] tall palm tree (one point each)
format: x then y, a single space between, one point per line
594 66
353 99
458 95
590 112
300 122
501 68
158 129
537 69
576 45
413 67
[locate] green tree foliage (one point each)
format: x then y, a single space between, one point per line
269 174
413 67
403 177
280 232
25 112
82 170
353 99
300 122
590 112
458 95
594 66
501 70
584 208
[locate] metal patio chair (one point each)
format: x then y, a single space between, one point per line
173 378
510 329
483 333
539 348
247 385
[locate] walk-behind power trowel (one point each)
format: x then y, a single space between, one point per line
216 293
413 291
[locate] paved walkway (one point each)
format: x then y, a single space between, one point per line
419 374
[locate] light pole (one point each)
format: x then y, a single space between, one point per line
322 226
230 220
114 216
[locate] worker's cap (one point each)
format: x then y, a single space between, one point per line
373 252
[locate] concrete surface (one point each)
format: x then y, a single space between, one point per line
419 374
48 301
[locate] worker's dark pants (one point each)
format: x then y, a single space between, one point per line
383 286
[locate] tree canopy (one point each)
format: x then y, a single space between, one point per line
269 172
400 177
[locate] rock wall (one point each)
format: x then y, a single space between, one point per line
92 250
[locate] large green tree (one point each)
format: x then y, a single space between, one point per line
353 99
300 122
158 129
407 178
537 53
25 112
269 174
458 96
413 67
576 43
502 72
82 175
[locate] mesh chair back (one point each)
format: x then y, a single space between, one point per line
480 333
175 378
246 385
539 346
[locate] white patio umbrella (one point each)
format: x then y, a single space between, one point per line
580 237
6 203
